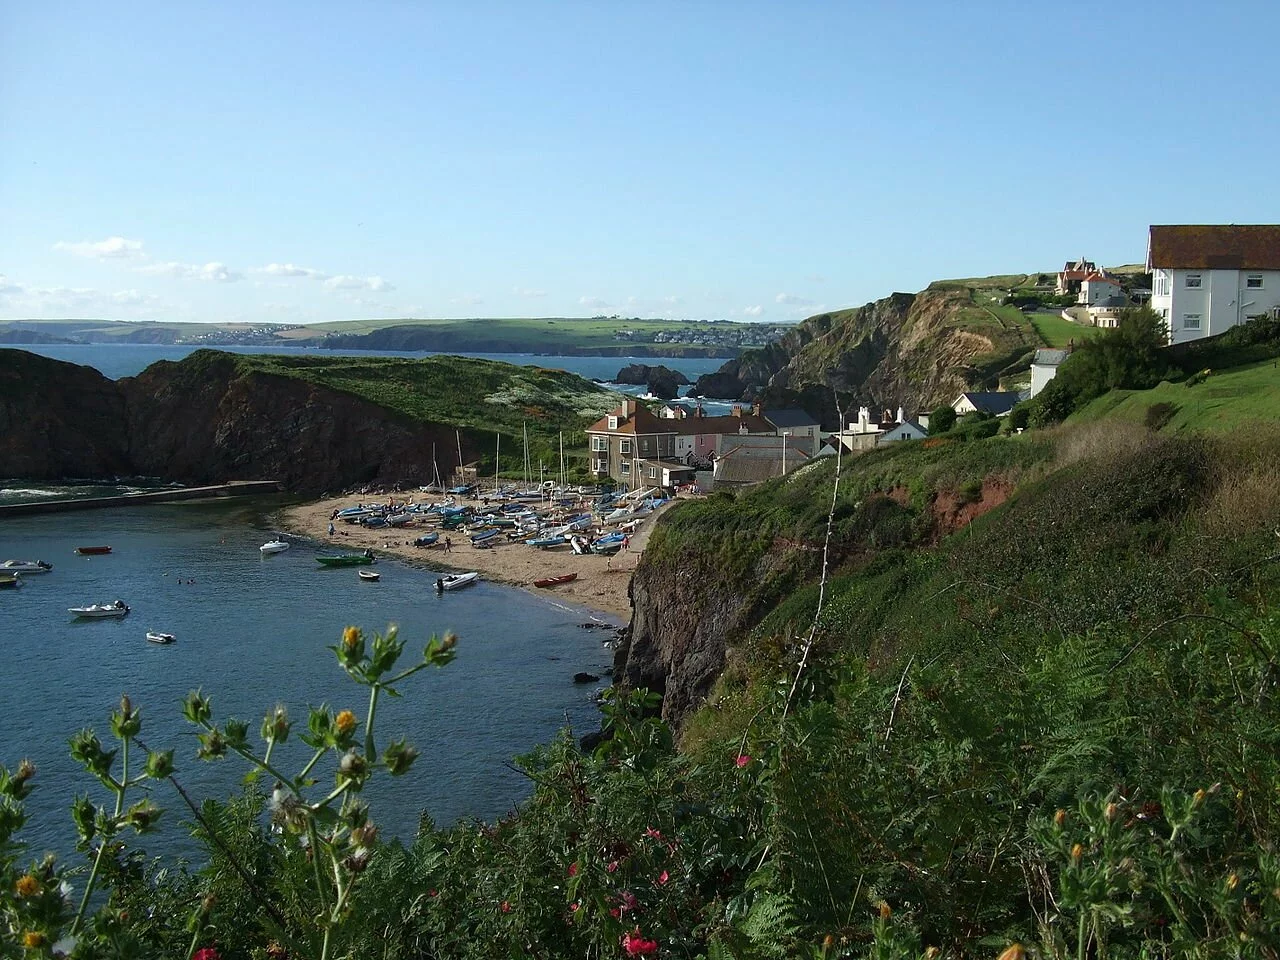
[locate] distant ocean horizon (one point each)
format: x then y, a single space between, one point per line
118 360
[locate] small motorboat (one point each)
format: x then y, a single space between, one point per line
546 543
556 581
373 523
25 566
347 559
426 541
484 535
92 551
399 519
156 636
10 581
455 581
274 546
98 611
368 575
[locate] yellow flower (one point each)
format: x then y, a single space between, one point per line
350 637
1015 951
1077 851
885 911
33 939
345 723
27 886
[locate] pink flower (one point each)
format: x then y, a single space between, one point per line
613 866
628 900
615 912
506 906
433 893
574 906
663 878
637 946
206 953
573 869
742 760
652 833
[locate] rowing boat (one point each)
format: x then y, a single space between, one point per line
556 581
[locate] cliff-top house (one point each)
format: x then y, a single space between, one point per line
624 437
1207 279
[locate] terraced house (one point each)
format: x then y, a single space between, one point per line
628 442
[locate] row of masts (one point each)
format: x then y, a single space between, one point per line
497 458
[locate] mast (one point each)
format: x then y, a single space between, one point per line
528 466
457 435
561 459
435 466
497 461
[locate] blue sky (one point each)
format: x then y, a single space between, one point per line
311 161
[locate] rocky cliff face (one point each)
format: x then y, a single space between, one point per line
203 421
910 350
59 420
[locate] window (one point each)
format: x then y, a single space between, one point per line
600 444
653 473
1253 281
1162 284
602 466
613 423
1191 321
626 468
1193 280
644 444
626 446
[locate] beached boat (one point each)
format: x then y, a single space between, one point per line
581 545
347 559
10 581
546 543
100 610
274 546
426 541
25 566
456 581
155 636
92 551
556 581
610 544
368 575
484 536
399 519
373 523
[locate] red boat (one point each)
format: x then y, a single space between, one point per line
555 581
92 551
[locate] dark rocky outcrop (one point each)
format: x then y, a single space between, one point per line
59 421
638 374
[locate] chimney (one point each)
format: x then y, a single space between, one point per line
737 409
864 419
757 410
901 415
628 407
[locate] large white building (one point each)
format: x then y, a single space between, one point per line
1207 279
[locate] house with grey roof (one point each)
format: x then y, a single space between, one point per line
996 403
1045 367
905 430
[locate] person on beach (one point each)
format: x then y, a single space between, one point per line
331 528
448 545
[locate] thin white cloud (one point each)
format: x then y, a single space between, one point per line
82 301
348 282
112 248
290 270
468 300
755 311
593 303
213 272
792 300
528 292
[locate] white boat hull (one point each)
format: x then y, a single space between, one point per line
274 546
457 581
99 611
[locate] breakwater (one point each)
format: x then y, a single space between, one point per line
236 488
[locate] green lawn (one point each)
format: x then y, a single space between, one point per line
1057 331
1222 403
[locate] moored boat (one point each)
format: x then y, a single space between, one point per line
546 543
368 575
556 581
455 581
274 546
155 636
25 566
97 611
10 581
347 559
92 551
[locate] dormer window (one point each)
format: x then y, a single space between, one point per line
613 423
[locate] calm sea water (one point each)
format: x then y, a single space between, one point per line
116 360
252 632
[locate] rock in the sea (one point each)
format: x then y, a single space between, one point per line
585 678
639 374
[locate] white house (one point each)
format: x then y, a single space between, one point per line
906 430
1045 367
1096 287
1207 279
994 402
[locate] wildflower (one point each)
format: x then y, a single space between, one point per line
350 637
885 911
275 951
433 892
1197 798
1233 881
652 833
1015 951
1060 818
1110 812
742 760
628 900
613 866
449 641
33 939
615 913
206 953
573 869
634 945
1077 851
27 886
574 906
345 723
932 953
663 878
506 906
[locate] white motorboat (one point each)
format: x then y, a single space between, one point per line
101 610
156 636
25 566
368 575
274 546
456 581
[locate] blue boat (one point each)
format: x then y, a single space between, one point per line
484 535
426 541
543 543
373 523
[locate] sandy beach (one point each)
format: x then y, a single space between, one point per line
601 585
